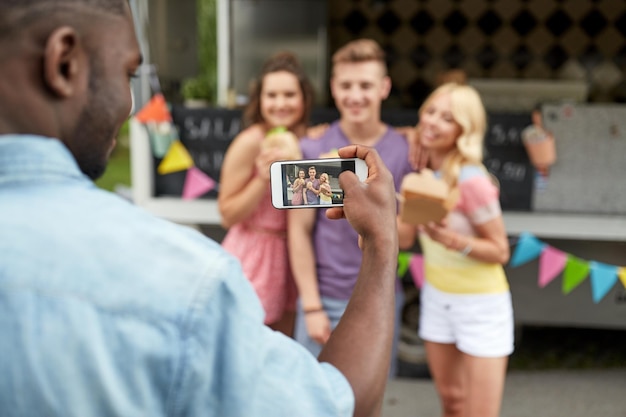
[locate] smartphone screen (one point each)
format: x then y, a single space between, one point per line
311 183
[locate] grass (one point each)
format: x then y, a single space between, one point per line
118 169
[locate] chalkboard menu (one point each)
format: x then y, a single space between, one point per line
207 132
505 157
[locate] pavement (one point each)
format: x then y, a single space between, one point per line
546 393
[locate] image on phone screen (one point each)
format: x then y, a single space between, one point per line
309 183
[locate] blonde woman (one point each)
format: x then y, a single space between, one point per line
466 318
326 194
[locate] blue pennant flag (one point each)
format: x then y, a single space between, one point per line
528 248
603 278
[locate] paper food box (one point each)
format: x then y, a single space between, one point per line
282 138
425 198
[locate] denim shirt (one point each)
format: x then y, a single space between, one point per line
106 310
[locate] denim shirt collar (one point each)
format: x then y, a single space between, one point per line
31 158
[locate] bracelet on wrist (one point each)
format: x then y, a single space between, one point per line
313 310
467 249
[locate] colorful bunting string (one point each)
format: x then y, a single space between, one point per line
552 262
166 145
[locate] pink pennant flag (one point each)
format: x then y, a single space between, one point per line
196 184
551 263
416 266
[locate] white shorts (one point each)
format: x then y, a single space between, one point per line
478 324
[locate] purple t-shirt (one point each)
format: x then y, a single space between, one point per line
338 257
311 197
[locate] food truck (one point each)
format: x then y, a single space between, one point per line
567 228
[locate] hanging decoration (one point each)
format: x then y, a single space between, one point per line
166 145
552 263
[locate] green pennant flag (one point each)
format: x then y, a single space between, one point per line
575 272
404 258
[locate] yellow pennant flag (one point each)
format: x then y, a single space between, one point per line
622 275
176 159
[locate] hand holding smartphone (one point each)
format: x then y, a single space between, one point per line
311 182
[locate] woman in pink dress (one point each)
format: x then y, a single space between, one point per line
283 96
298 189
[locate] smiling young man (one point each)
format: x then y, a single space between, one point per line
312 184
325 256
106 310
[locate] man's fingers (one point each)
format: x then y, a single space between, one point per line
335 213
371 157
347 151
347 180
362 152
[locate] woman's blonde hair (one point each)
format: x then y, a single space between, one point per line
469 113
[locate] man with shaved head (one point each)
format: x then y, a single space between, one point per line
106 310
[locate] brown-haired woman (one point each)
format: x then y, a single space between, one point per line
282 96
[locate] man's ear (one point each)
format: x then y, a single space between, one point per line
386 87
63 58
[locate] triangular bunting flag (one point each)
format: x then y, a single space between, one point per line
416 267
622 275
176 159
603 277
528 248
551 264
576 270
403 263
161 134
196 184
155 110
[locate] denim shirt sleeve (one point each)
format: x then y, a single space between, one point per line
108 311
235 367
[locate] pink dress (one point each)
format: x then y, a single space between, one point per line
260 243
298 198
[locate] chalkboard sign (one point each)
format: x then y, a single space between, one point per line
505 157
207 133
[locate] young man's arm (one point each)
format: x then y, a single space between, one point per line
302 260
360 346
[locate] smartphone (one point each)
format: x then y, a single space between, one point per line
309 183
